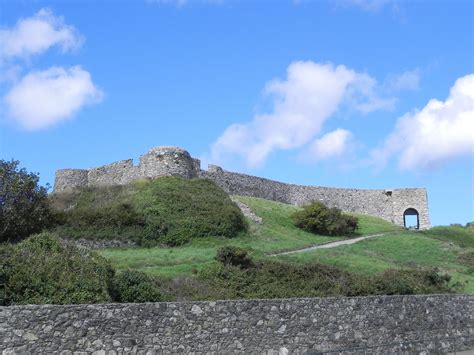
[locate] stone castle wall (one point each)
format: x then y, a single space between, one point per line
172 161
159 161
387 204
423 324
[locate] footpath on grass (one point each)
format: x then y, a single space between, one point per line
330 244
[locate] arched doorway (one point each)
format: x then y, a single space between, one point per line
411 219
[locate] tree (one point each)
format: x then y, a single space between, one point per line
24 205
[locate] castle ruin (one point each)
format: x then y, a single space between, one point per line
392 205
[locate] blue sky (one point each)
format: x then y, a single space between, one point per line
350 93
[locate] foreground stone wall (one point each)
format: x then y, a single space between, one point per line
165 161
433 324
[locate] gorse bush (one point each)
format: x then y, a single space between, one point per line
24 207
135 286
168 210
230 255
319 219
275 279
41 270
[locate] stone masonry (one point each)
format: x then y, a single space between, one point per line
423 324
389 204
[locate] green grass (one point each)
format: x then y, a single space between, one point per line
448 248
462 236
276 233
397 251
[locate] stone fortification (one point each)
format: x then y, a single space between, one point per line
159 161
424 324
389 204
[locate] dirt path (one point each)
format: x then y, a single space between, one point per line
331 244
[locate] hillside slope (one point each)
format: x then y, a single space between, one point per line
276 233
450 252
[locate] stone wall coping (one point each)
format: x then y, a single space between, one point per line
256 300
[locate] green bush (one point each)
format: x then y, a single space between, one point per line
41 270
168 210
410 282
230 255
134 286
275 279
24 207
319 219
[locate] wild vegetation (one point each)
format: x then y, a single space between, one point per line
319 219
24 207
167 211
41 269
196 244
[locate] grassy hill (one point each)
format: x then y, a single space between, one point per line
168 210
448 248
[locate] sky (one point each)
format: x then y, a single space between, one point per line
344 93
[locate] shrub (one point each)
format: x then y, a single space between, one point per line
41 270
135 286
319 219
230 255
410 282
24 207
276 279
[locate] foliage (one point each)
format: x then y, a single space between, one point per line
135 286
41 270
273 279
235 256
190 209
319 219
168 210
409 282
24 207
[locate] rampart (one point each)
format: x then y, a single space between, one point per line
389 204
424 324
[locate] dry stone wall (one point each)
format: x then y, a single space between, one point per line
165 161
424 324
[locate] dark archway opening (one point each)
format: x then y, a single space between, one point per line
411 219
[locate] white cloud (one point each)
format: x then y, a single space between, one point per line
409 80
310 94
331 145
36 34
43 98
442 130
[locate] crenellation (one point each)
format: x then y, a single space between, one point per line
389 204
